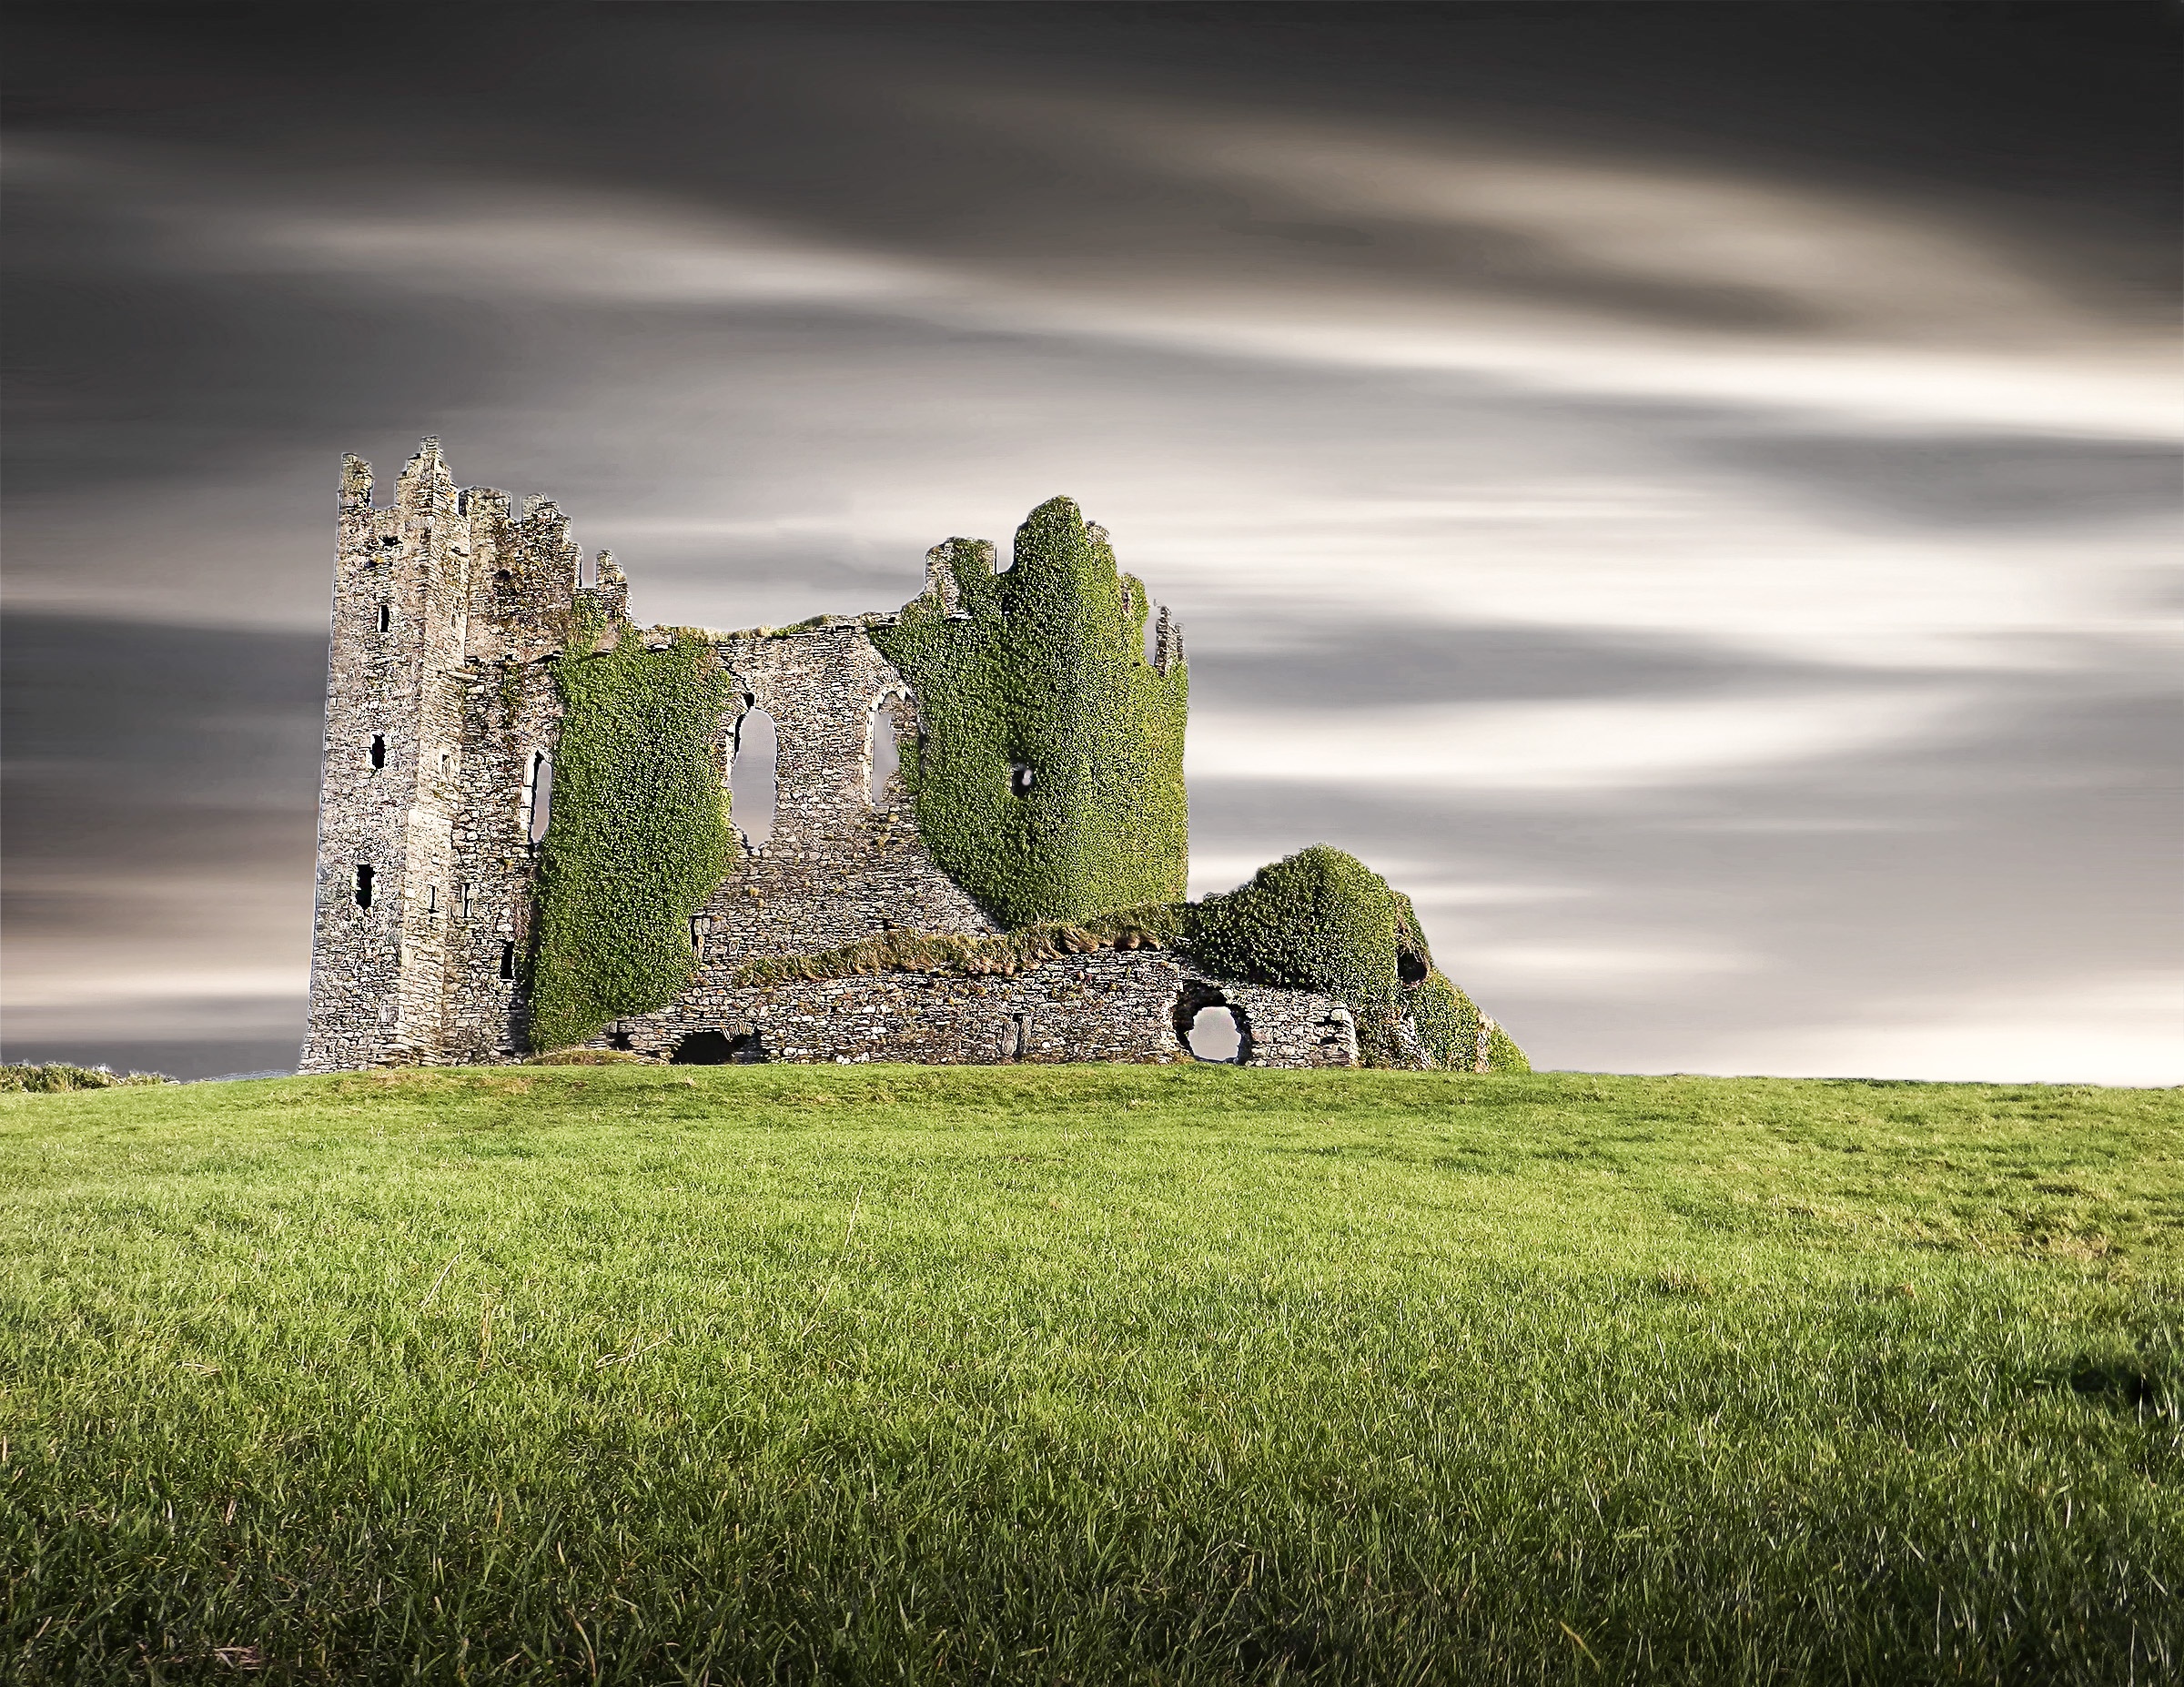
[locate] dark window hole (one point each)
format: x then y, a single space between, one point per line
507 960
386 617
1021 779
364 878
1409 967
378 750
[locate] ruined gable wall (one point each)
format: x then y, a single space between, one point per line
839 866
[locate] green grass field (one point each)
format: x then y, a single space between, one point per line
1090 1375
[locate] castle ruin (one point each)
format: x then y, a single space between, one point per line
976 850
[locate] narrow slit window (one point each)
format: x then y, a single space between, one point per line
363 884
886 755
462 900
431 899
386 617
378 750
753 795
507 960
541 803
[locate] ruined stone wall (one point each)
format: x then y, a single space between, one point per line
1127 1008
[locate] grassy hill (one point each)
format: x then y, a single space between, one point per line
1090 1375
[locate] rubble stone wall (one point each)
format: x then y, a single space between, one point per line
1109 1006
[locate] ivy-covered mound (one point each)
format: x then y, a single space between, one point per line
1049 781
1322 920
638 836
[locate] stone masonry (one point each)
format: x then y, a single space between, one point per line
442 720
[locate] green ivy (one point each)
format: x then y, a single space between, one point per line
1318 920
1322 920
1448 1024
1044 668
638 837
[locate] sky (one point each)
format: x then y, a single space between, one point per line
1689 492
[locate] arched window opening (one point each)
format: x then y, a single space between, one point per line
1021 779
1215 1035
363 884
1210 1027
541 801
1410 967
378 750
753 792
386 617
886 755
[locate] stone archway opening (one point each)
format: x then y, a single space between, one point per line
1210 1027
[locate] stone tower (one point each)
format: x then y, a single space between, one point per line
437 763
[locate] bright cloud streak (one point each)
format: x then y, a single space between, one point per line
1559 746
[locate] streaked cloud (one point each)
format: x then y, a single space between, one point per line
1576 747
1716 579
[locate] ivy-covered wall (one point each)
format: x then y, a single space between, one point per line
1049 781
637 837
1319 921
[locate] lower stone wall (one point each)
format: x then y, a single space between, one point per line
1109 1006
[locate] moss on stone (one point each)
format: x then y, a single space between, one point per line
970 953
637 840
1048 778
